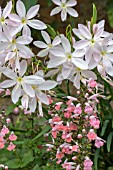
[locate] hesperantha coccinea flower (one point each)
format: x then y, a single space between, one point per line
65 7
73 128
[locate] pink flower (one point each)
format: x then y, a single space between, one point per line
91 135
12 137
59 155
2 145
67 137
4 130
58 105
78 110
95 123
98 143
67 115
8 120
56 119
16 110
88 163
11 147
75 148
7 92
88 109
92 83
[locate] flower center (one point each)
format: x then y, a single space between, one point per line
92 41
50 45
69 56
103 53
34 87
19 79
24 21
63 5
2 20
13 41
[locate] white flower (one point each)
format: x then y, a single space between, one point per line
25 19
61 55
21 81
40 96
88 39
78 75
48 45
4 14
14 47
64 7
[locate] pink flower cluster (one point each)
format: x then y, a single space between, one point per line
7 138
74 124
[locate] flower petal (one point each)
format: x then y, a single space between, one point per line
57 2
81 44
84 31
66 44
72 12
36 24
47 85
28 90
23 68
63 15
20 8
46 37
71 3
77 81
43 98
32 12
55 11
16 93
8 72
7 83
80 63
54 62
7 9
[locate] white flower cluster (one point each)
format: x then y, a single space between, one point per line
72 60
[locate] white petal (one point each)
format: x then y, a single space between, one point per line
110 49
81 44
7 9
32 12
52 72
59 52
89 54
25 50
14 17
66 44
36 24
26 31
108 66
78 33
57 2
25 101
7 83
42 97
33 104
23 68
54 62
77 81
28 89
72 12
46 37
56 41
71 3
33 79
66 69
9 56
84 31
40 44
89 74
98 34
80 63
3 46
110 56
24 40
55 11
47 85
8 72
63 15
20 8
43 53
16 93
78 53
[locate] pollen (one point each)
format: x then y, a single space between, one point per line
24 21
19 79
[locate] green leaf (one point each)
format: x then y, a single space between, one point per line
104 127
27 158
96 159
94 17
110 168
109 140
14 163
36 167
10 109
51 31
46 129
